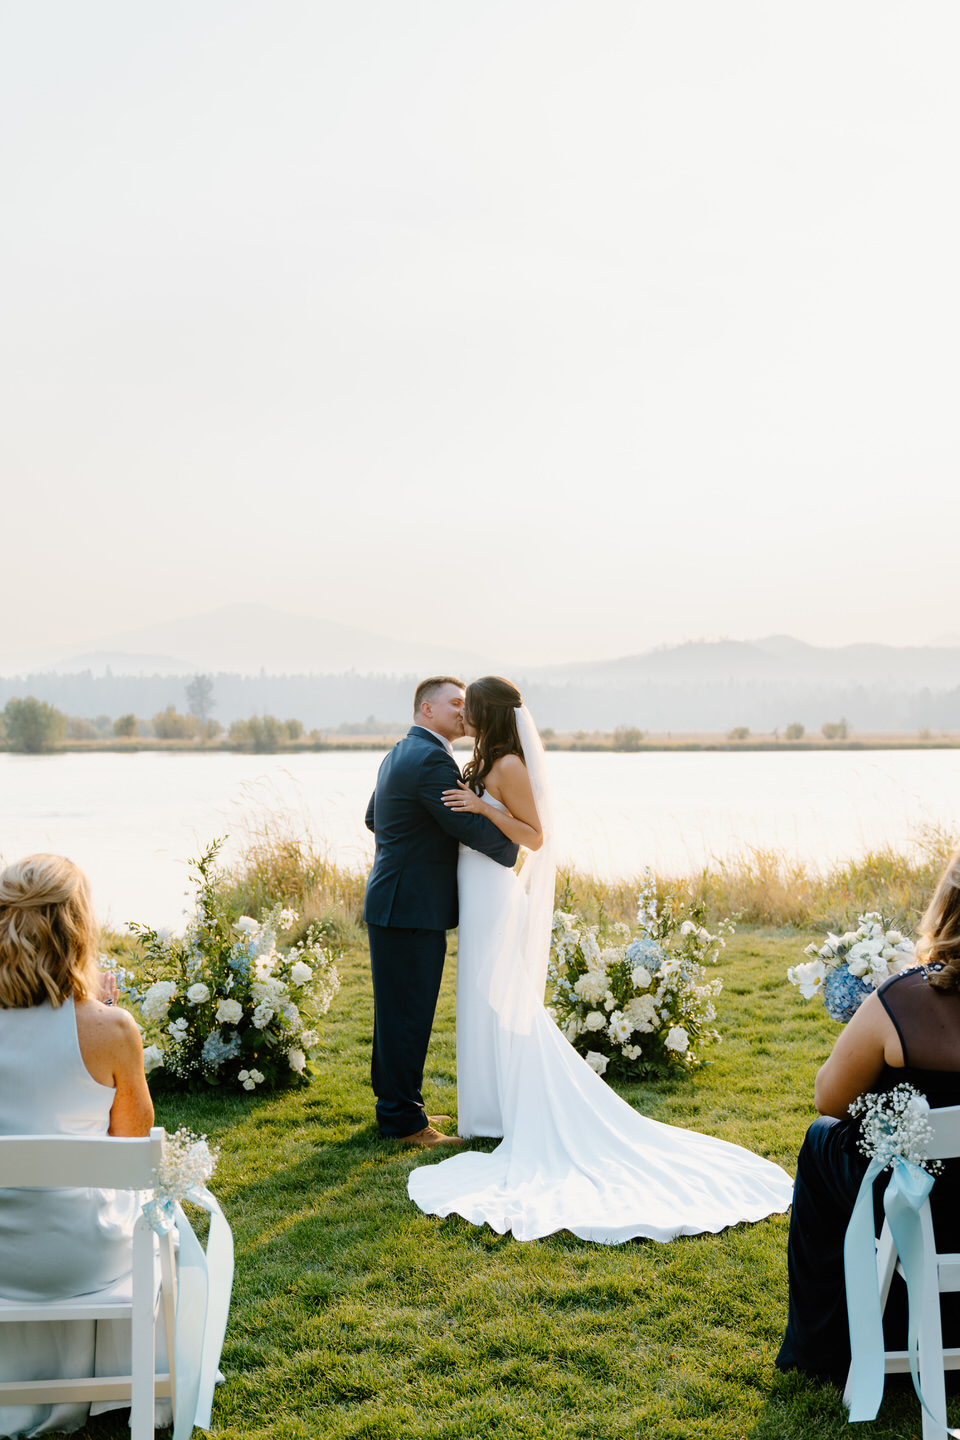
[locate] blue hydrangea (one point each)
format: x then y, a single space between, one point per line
644 952
216 1050
843 993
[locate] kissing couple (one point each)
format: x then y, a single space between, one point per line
573 1154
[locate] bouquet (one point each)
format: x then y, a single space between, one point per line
640 1007
896 1126
847 968
225 1003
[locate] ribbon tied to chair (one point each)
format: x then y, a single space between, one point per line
902 1201
204 1282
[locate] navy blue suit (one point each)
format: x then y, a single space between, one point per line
411 902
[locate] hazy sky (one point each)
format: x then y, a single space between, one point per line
556 329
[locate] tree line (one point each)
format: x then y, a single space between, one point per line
32 727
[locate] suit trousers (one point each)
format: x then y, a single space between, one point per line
407 967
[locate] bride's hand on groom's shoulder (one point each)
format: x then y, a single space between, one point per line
463 798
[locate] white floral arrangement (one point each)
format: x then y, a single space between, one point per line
226 1003
186 1165
846 968
896 1126
641 1006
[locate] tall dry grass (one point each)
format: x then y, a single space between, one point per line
281 861
768 887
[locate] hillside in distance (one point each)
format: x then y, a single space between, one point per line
776 659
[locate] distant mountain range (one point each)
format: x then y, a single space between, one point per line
325 674
247 639
774 659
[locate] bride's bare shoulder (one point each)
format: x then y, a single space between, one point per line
508 773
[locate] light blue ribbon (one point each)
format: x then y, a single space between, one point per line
204 1283
902 1201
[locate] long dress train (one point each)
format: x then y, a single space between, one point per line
574 1156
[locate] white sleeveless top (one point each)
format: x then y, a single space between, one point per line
56 1243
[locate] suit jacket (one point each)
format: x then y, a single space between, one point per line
413 883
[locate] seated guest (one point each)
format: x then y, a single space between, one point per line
908 1031
69 1065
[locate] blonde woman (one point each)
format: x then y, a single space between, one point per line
70 1064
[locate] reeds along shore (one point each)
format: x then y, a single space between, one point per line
759 887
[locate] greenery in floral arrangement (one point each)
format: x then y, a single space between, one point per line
225 1003
639 1007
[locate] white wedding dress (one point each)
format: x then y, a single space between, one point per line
574 1155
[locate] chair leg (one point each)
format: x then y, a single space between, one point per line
168 1304
142 1366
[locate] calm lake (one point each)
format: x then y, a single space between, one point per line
133 821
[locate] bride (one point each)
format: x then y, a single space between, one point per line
574 1156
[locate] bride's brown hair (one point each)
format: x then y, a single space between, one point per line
490 707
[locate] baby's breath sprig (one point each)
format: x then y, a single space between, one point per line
896 1126
187 1163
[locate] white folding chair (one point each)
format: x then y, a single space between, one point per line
941 1273
101 1162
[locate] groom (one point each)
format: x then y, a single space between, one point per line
411 901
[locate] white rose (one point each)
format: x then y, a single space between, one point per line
157 1001
152 1059
641 977
677 1039
198 994
297 1060
248 926
595 1021
300 973
229 1012
596 1061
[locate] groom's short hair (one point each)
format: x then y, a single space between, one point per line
429 689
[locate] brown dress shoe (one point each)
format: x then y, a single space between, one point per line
429 1137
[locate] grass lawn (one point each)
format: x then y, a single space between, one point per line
354 1315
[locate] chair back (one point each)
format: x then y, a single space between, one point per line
90 1161
945 1144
